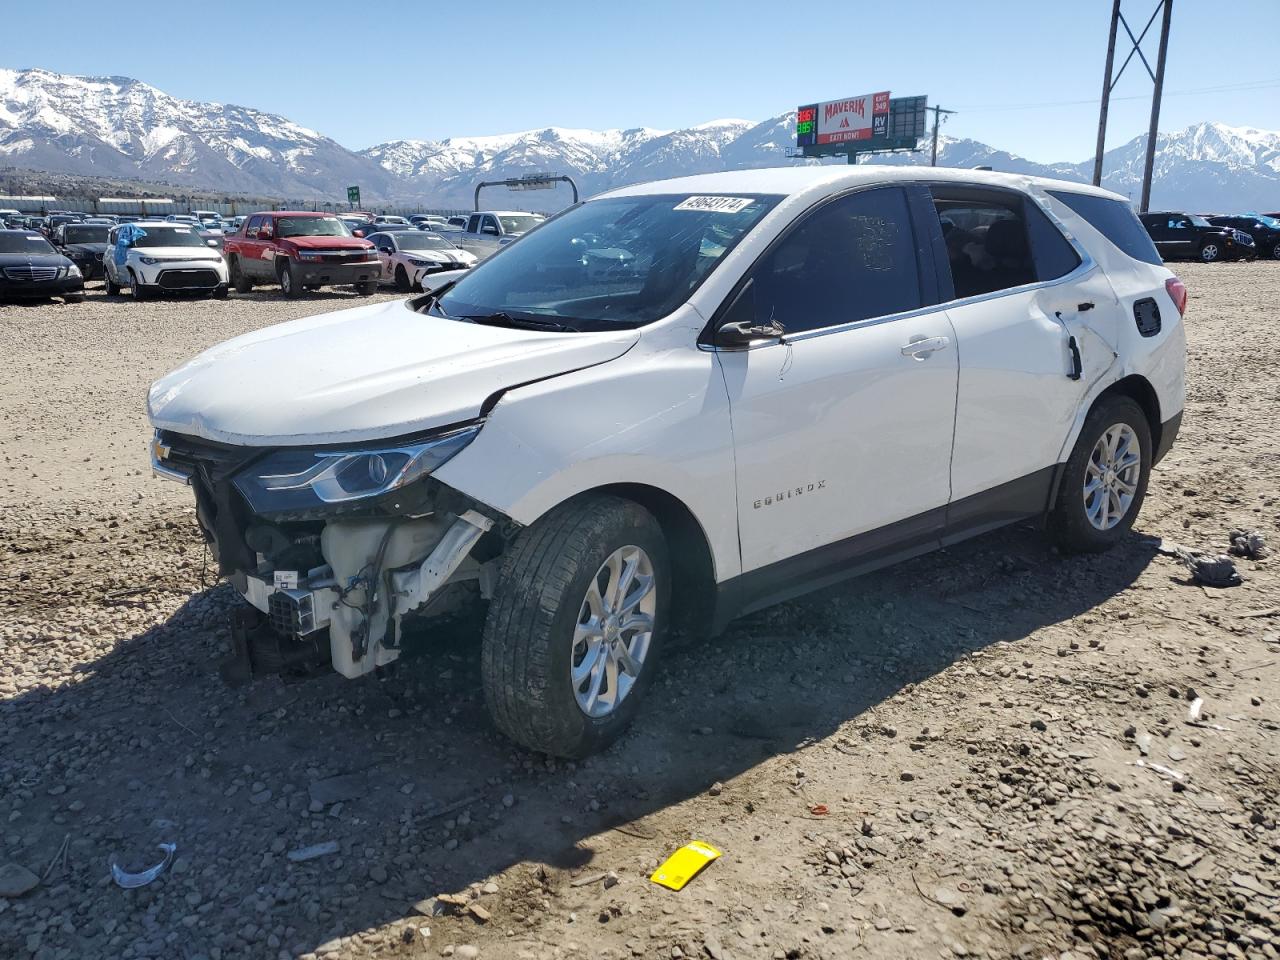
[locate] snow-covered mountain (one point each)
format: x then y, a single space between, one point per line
116 126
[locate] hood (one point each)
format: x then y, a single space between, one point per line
205 252
327 243
368 373
86 249
441 256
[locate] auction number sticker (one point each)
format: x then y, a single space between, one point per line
715 204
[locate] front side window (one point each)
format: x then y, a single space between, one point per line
618 261
850 260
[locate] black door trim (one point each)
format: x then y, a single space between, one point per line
831 563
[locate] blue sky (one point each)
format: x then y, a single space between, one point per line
367 72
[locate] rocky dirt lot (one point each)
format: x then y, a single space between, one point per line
999 735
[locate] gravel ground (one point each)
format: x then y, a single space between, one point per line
999 734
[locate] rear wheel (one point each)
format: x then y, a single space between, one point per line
289 284
1105 479
1210 252
113 288
368 288
576 625
238 278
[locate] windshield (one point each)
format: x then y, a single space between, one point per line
24 243
1198 220
621 261
422 240
1266 221
175 236
89 234
519 224
311 227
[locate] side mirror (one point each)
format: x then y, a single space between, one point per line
212 243
739 326
493 231
357 233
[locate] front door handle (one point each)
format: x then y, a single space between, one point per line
921 348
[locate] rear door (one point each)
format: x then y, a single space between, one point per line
251 249
842 432
1020 294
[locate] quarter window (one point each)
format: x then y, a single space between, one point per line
853 259
1115 220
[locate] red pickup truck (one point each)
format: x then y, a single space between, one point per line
300 250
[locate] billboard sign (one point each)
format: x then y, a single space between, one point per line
864 117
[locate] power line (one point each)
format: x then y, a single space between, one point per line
1246 86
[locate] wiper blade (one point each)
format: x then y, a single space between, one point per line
432 299
500 319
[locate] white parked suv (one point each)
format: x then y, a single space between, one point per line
160 256
791 377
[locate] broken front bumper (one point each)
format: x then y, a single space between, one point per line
351 576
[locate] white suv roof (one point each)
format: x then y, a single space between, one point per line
792 181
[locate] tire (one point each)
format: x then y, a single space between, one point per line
528 650
289 285
368 288
220 293
238 279
113 288
137 288
73 298
1209 252
402 279
1070 524
1275 251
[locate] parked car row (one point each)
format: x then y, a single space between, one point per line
201 254
1212 237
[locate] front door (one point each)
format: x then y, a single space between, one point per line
842 431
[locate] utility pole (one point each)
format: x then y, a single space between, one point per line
1157 79
1106 96
933 157
1152 131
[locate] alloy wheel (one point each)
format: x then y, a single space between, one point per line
1111 476
614 631
1209 252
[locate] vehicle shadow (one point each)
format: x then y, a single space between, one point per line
148 746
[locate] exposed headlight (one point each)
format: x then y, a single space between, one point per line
312 257
415 261
150 261
73 271
294 480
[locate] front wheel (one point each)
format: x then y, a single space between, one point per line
238 279
289 284
1105 479
1210 252
1275 251
576 625
402 280
137 288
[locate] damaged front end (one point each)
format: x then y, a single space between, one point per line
334 546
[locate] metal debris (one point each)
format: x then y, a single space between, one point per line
131 881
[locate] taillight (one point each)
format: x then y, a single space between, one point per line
1177 291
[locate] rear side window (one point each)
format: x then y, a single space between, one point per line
853 259
1052 252
1116 221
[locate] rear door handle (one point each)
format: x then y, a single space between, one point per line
921 348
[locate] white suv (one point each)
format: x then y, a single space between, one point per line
163 257
784 378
